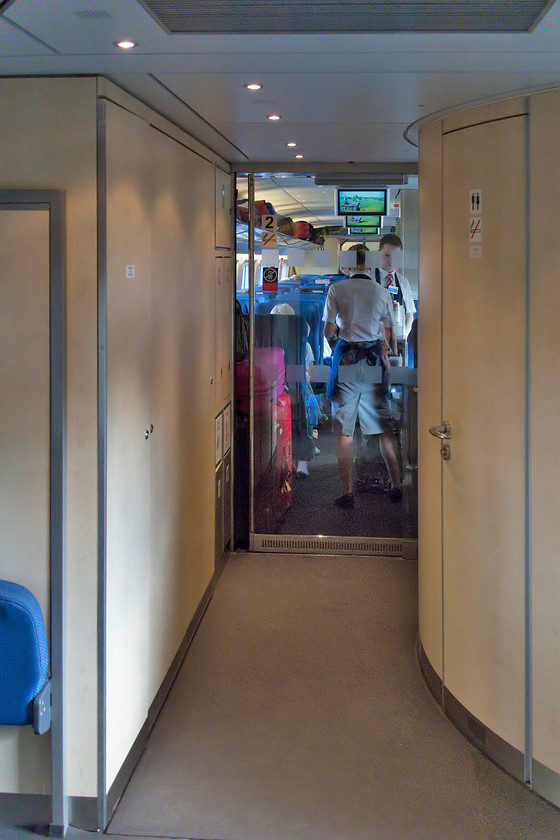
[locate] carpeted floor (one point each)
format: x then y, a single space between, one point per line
313 510
300 714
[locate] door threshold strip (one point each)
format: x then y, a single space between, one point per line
290 543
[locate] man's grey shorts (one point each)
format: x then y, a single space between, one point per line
361 400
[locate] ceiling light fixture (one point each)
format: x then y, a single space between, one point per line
253 86
299 156
126 45
291 145
273 117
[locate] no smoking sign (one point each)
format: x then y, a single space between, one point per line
270 279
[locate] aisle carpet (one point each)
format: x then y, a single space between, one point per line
300 714
313 510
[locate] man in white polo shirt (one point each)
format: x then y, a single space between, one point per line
356 308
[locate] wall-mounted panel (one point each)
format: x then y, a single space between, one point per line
160 370
545 404
129 418
429 395
483 400
228 488
223 208
219 505
24 454
223 331
183 393
37 154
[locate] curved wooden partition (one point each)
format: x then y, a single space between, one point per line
489 301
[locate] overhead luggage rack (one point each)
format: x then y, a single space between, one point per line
291 241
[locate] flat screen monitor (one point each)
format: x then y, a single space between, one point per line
365 202
359 221
363 229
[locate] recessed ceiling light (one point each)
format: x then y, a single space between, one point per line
291 145
273 117
126 45
299 156
253 86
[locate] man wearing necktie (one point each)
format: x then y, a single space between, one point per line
395 282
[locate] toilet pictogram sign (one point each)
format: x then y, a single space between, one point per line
475 201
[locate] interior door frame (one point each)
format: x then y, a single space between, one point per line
53 201
401 546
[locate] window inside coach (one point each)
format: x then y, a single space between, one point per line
287 473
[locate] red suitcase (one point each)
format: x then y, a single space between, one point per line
269 380
283 477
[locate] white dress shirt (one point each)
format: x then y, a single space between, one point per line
408 299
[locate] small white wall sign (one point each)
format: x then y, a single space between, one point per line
475 229
219 439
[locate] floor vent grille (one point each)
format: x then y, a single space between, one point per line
327 545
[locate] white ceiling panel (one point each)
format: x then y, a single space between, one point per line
372 111
62 25
382 97
298 97
15 42
326 142
112 60
59 21
342 96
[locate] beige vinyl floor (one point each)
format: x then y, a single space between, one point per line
300 713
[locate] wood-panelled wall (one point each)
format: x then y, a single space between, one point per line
162 348
49 134
161 193
499 592
545 455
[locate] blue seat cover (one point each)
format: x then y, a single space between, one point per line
24 653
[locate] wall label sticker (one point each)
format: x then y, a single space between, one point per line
475 229
269 238
475 201
219 439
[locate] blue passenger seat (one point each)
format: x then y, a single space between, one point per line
288 286
24 654
264 306
311 308
243 298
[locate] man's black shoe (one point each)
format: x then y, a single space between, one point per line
346 501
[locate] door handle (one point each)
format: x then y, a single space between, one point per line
442 432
